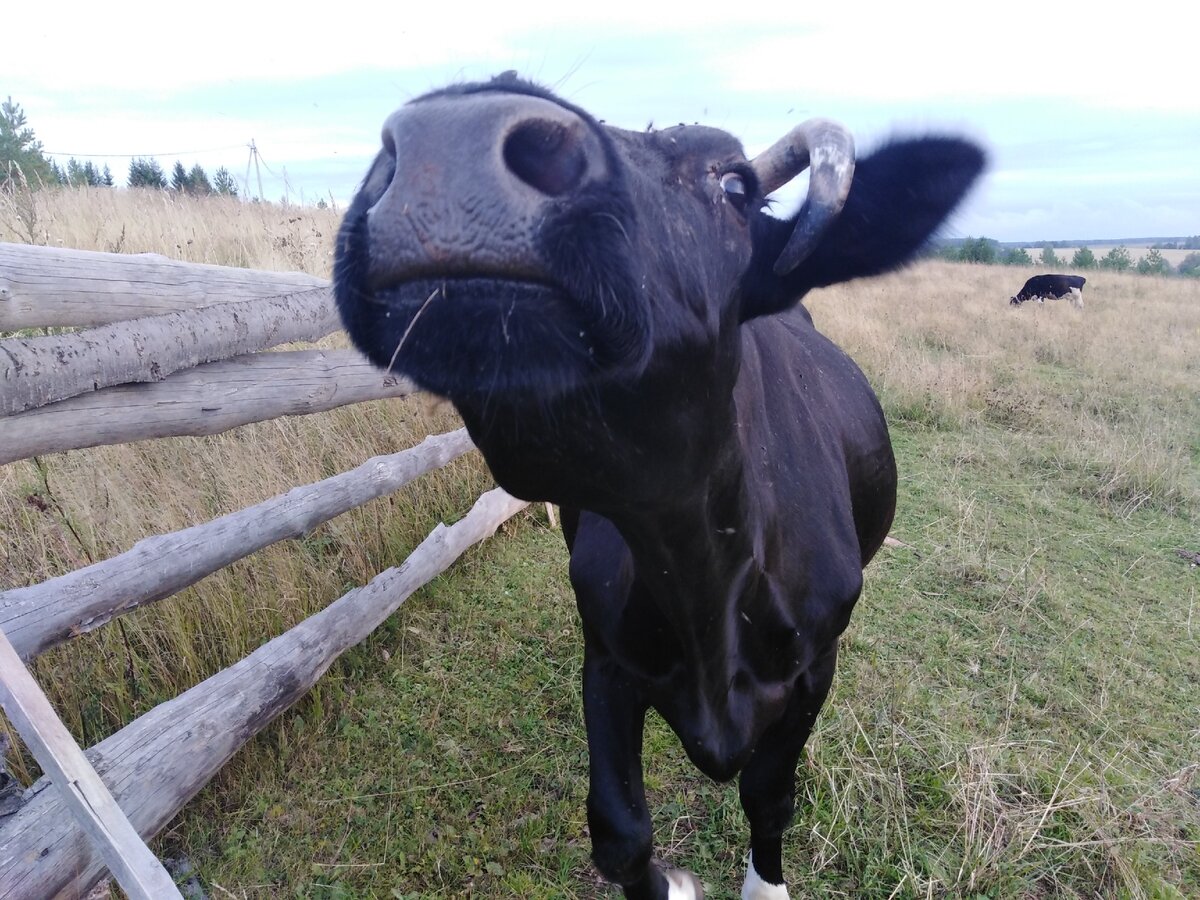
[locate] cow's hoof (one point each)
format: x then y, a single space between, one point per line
683 885
755 888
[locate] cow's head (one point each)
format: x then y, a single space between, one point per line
506 248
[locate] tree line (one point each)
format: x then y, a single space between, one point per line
1118 259
1190 243
24 163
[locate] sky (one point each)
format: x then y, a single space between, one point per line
1091 119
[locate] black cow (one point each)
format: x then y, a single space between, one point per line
616 319
1039 287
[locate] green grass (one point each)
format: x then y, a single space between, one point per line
1014 716
443 752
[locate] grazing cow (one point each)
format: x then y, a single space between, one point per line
1039 287
616 319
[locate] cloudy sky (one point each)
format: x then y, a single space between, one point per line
1091 117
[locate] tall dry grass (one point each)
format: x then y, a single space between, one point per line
1110 389
1048 613
63 511
220 231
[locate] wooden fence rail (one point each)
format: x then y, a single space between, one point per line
35 371
160 761
36 618
182 366
208 399
51 286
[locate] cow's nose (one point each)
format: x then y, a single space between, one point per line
465 183
548 156
496 145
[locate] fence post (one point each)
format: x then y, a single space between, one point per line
136 869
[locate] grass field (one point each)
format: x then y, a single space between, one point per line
1017 707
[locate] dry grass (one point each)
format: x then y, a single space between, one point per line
1104 387
60 512
216 230
1048 456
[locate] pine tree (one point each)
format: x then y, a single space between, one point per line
1049 259
198 181
179 178
146 173
1153 264
1116 259
223 183
106 179
1083 259
83 174
21 156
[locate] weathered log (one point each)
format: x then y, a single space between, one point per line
208 399
80 788
160 761
52 286
40 370
42 615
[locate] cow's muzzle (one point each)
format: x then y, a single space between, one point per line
464 183
482 251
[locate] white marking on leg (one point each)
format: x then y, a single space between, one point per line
682 885
757 889
1077 298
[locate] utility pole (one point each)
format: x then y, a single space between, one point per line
257 171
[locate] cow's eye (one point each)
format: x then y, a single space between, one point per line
737 191
733 184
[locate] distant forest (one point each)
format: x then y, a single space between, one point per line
24 164
987 251
1156 243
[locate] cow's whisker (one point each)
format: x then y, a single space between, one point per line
408 330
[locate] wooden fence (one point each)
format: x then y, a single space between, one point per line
169 348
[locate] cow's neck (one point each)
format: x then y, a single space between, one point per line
705 565
695 545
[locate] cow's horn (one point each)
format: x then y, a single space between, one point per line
829 149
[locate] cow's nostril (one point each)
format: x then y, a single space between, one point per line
547 156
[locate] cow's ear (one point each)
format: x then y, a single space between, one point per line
899 196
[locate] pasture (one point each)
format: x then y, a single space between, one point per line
1017 703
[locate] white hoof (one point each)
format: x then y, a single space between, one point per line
757 889
683 885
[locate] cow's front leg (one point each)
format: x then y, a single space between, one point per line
768 781
614 710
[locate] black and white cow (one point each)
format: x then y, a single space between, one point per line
1055 287
617 320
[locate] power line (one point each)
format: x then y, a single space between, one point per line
141 155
